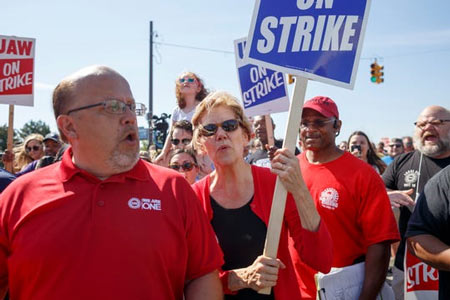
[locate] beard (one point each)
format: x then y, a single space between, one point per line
435 150
122 161
124 158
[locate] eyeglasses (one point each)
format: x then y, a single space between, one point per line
116 107
186 166
315 123
211 129
184 141
396 145
187 79
435 123
34 148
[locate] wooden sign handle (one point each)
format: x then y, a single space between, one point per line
269 131
9 165
279 196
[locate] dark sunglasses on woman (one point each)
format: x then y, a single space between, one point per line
186 166
34 148
184 141
211 129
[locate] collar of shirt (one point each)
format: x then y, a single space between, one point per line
68 170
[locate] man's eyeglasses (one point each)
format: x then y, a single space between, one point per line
315 123
211 129
34 148
396 145
435 123
187 79
116 107
186 166
184 141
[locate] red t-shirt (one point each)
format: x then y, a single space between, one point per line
314 247
352 201
65 234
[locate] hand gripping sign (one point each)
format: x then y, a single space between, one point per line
16 70
311 39
316 39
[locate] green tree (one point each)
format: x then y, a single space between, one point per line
4 137
34 127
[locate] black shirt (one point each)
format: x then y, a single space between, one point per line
403 174
5 179
241 236
432 216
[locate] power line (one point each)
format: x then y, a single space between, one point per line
362 58
195 48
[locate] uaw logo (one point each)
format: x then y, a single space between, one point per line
329 198
145 204
411 178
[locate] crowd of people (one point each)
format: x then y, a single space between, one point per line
93 217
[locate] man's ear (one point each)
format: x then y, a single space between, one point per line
67 127
337 126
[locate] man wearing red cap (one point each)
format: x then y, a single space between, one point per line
350 197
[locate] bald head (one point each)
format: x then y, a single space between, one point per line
70 87
81 84
432 132
435 111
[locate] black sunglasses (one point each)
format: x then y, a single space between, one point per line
186 166
184 141
34 148
211 129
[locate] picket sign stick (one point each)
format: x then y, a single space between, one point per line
279 196
269 131
9 144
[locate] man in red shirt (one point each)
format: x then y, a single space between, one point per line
350 197
103 224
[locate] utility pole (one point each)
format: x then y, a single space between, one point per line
150 90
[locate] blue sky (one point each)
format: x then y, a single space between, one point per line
410 38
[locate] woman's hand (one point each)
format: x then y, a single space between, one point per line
261 274
285 164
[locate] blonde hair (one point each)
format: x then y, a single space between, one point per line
22 158
214 100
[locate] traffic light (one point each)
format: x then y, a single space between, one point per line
377 73
291 79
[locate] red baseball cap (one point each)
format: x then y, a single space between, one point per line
323 105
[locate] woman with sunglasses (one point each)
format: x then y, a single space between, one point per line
237 197
180 136
31 150
189 91
185 162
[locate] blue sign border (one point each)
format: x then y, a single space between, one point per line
320 72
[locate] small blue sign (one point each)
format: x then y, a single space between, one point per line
143 133
263 90
316 39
